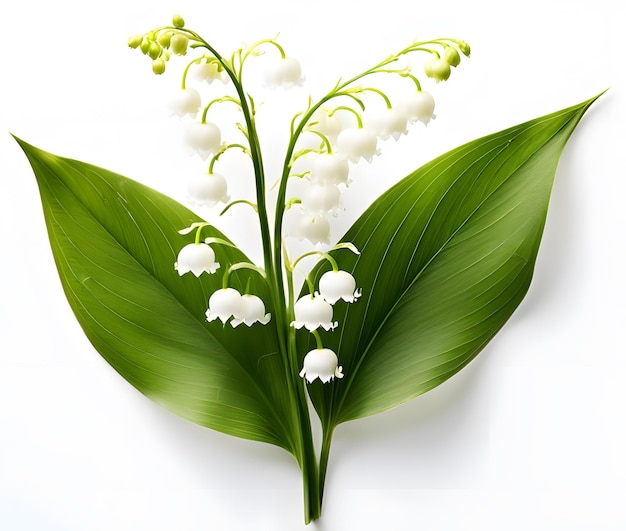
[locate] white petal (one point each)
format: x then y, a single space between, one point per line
197 258
224 304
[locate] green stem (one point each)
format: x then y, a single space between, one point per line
324 454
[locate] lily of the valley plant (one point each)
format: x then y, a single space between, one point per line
409 296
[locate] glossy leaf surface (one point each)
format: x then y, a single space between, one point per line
115 242
446 256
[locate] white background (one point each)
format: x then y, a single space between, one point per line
530 436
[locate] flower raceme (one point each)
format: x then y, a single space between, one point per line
332 149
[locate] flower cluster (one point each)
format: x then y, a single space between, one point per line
344 128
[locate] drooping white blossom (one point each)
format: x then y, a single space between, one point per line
419 106
335 285
303 226
186 102
387 123
283 72
209 71
224 304
197 258
330 168
207 189
321 363
357 143
319 199
203 139
312 312
252 311
329 126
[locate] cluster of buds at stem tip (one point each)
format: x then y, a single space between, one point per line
159 45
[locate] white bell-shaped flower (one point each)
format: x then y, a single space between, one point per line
419 106
329 126
203 139
208 72
224 304
388 123
357 143
335 285
298 224
252 311
283 72
197 258
207 190
312 311
321 363
186 102
329 168
320 199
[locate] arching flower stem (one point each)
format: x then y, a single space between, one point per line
318 339
239 201
219 100
223 150
242 265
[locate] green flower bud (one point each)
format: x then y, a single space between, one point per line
164 39
158 66
438 69
154 50
465 48
178 44
134 41
451 56
177 21
145 45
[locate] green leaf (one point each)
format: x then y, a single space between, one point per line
446 256
115 242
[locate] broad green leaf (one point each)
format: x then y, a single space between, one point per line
446 256
115 242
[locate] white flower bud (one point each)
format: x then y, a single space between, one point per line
298 224
330 169
321 363
208 190
209 71
196 258
357 144
335 285
419 107
203 139
319 199
388 123
329 126
311 312
224 304
186 102
283 72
